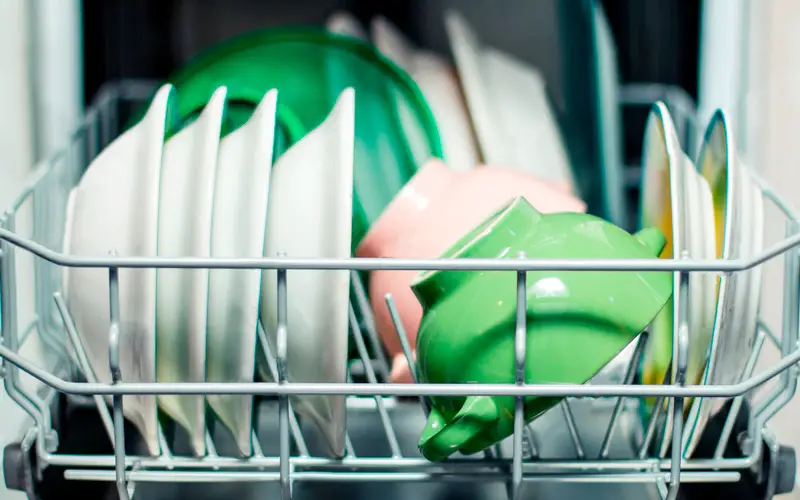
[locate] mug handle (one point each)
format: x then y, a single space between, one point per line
440 439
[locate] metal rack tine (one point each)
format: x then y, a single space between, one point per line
162 442
681 336
659 406
531 439
400 330
573 429
83 362
369 323
520 354
297 434
116 378
256 444
787 385
391 437
630 373
283 373
349 450
736 404
769 334
211 448
30 403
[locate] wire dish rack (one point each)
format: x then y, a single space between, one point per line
594 437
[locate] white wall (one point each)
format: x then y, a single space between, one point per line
16 153
772 108
40 94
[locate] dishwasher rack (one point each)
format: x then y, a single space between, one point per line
519 460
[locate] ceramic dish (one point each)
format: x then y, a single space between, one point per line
733 359
700 241
238 229
439 84
662 205
429 214
309 216
184 230
395 130
509 108
467 331
718 164
116 208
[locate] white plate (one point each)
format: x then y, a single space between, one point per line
239 223
309 214
439 85
700 242
746 315
345 23
668 195
184 230
662 207
717 162
509 108
116 208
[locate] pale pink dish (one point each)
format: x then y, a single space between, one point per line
436 207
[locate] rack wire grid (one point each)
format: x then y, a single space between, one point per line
293 461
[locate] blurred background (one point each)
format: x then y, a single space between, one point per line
743 55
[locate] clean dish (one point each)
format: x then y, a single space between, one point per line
439 84
116 209
700 240
676 199
731 357
238 229
429 214
310 68
345 23
508 104
719 165
309 216
184 230
662 202
467 334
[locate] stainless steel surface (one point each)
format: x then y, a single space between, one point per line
593 440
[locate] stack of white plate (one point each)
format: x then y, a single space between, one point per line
709 209
201 196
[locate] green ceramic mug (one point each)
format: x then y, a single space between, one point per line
577 321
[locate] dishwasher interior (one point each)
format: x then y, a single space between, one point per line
592 444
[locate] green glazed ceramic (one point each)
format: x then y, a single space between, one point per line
577 321
395 130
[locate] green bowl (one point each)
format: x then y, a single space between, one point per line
395 130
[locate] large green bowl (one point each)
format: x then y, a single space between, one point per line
395 130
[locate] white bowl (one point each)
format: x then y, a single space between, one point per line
309 215
239 225
115 208
184 230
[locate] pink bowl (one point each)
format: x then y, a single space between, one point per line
429 214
